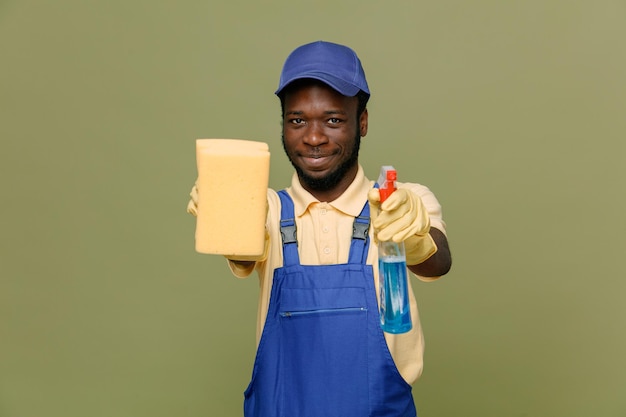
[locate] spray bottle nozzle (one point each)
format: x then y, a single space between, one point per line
387 181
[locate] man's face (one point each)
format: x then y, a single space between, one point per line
321 136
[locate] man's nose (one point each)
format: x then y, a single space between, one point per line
315 135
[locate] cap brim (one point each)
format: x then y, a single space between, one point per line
335 83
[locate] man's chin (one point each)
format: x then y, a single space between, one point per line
317 180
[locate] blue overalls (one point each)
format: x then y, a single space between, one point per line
322 352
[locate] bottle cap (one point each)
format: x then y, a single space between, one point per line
387 181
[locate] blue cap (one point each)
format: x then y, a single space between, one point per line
334 64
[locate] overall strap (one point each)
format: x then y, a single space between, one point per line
360 236
288 230
360 233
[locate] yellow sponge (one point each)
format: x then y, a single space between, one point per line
232 186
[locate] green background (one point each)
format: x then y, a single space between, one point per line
512 112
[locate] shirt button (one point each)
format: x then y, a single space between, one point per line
323 211
325 229
326 251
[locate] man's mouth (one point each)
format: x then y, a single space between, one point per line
316 160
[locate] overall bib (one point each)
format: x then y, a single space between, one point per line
322 352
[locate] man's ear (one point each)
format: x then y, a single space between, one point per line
363 123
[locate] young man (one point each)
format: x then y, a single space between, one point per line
321 351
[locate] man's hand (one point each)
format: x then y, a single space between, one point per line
192 206
403 218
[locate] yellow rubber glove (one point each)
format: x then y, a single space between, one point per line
403 218
192 206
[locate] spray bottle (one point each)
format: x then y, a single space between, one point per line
395 316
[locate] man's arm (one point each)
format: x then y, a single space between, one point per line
440 262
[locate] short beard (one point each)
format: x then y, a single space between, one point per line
331 180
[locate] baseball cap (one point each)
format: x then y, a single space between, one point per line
334 64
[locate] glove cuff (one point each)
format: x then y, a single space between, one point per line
419 248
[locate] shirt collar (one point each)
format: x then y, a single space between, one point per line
350 202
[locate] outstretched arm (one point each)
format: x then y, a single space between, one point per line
440 262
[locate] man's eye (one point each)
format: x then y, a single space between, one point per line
334 120
297 121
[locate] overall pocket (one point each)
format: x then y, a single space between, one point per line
324 352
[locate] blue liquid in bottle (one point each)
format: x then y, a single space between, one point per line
395 315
